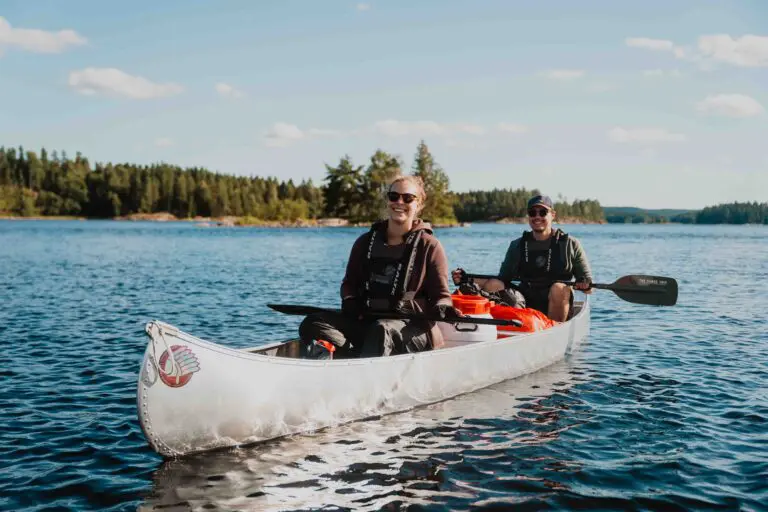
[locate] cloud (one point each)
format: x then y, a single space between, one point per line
747 51
324 132
112 81
163 142
281 135
658 45
512 128
564 74
643 135
228 91
363 7
38 41
395 128
730 105
662 72
284 134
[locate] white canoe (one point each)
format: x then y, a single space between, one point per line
208 396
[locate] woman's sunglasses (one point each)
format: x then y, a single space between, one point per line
541 212
394 196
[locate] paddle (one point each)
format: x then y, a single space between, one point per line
297 309
637 288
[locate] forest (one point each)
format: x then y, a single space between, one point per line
53 184
35 184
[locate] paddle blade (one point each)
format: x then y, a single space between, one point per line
644 289
298 309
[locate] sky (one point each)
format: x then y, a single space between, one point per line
655 104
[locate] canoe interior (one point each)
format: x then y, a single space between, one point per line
291 349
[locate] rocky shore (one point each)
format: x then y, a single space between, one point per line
232 221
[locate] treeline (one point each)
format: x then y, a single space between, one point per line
504 203
638 218
54 184
728 213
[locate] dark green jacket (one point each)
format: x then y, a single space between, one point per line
575 258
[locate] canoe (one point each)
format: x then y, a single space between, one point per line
195 395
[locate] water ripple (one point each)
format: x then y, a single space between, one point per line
662 409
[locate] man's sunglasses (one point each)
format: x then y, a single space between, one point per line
541 212
394 196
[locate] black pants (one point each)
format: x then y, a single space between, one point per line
367 338
537 297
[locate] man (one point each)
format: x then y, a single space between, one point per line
539 257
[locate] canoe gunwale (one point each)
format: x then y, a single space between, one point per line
253 353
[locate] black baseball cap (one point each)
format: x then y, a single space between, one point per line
545 201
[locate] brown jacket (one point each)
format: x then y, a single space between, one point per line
429 278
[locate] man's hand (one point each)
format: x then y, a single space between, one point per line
584 284
459 276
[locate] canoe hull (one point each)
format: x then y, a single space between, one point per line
194 395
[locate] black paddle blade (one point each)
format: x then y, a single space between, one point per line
643 289
298 309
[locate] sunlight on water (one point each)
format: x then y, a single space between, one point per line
662 407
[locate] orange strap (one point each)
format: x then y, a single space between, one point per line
330 347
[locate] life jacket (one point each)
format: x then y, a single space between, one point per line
539 267
387 269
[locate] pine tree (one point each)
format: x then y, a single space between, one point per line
439 205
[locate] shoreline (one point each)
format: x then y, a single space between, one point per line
232 221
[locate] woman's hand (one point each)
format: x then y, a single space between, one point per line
446 312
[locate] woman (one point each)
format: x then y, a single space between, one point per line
399 266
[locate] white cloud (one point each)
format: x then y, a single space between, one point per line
643 135
324 132
112 81
38 41
228 91
730 105
659 45
363 7
163 142
746 51
656 45
395 128
564 74
512 128
281 135
663 72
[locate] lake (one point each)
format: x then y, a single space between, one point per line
661 408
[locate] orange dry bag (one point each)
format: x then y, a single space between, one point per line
532 319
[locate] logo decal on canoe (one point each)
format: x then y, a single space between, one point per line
176 372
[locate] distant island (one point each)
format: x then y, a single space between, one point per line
43 185
726 213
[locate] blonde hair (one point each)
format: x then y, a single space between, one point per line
417 182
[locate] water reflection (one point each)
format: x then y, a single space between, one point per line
432 454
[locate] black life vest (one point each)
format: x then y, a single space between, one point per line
387 269
544 265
